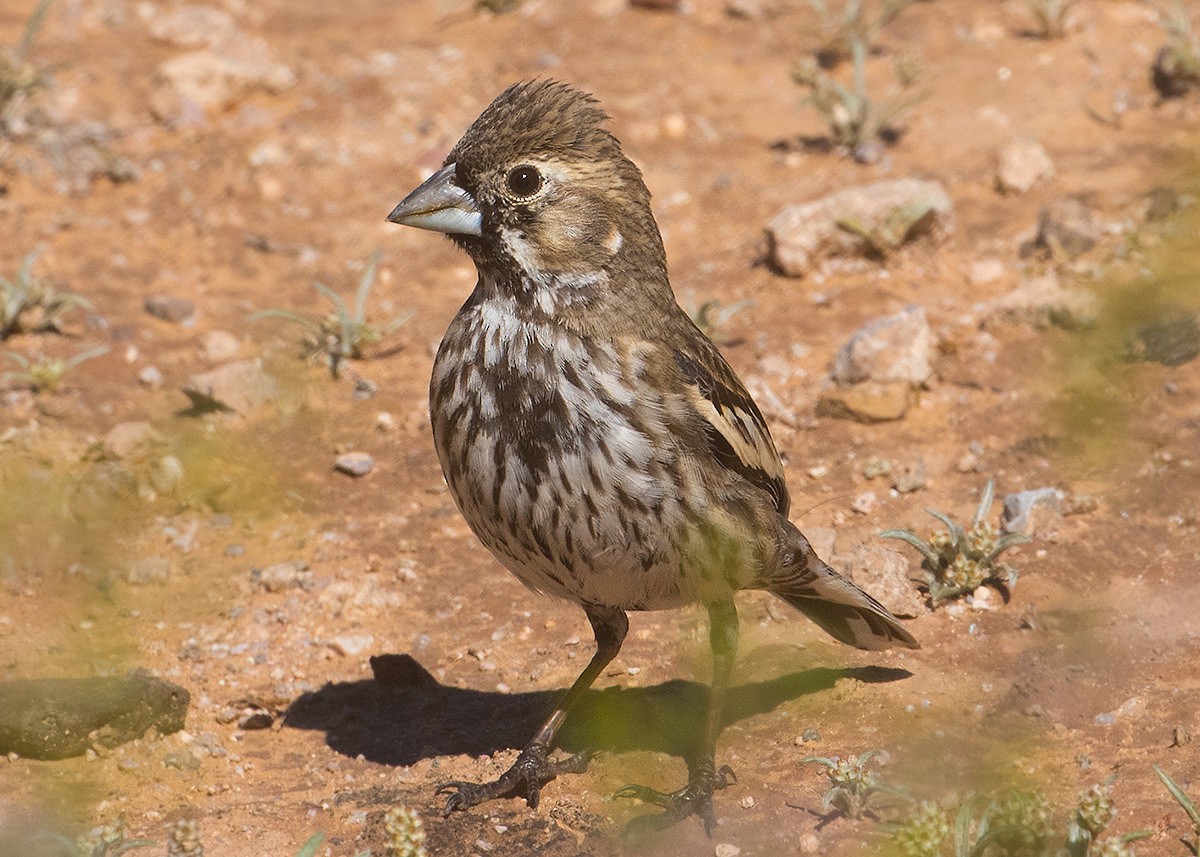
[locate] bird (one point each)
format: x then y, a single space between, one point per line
594 439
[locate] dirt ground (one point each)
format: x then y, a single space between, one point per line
1089 672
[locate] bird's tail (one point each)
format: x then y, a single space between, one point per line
844 611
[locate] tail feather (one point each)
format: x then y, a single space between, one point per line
841 609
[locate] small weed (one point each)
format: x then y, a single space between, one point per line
405 833
1016 824
342 334
852 785
1176 69
841 29
45 374
923 832
17 76
857 123
1189 806
1050 17
31 305
711 316
959 561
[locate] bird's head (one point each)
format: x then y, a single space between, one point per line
538 186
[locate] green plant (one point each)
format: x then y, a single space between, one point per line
1189 806
1050 17
342 334
17 75
959 561
1176 69
310 846
856 122
31 305
405 833
711 316
840 29
852 786
922 833
45 374
183 839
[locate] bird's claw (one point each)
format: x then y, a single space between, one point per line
525 778
693 799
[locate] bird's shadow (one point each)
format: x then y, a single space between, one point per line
404 714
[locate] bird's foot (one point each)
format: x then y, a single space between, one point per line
525 778
693 799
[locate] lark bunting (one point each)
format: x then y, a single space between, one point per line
594 439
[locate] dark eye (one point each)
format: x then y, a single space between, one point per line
524 181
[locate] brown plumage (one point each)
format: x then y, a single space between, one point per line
594 439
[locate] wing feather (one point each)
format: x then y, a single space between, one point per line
734 428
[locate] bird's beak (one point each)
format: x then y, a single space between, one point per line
441 205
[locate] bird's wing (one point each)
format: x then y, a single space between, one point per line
734 429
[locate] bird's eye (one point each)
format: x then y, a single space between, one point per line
524 181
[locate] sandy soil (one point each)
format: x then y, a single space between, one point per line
241 208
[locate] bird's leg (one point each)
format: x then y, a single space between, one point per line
704 777
533 769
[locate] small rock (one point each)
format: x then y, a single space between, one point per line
385 422
1023 163
284 575
910 477
56 718
349 645
210 80
166 474
1044 301
191 26
1164 202
818 472
240 386
1172 74
865 503
969 463
218 346
354 463
150 376
985 271
726 849
1126 708
1018 514
897 211
168 308
256 720
126 440
875 467
809 843
151 569
1067 228
893 348
884 573
181 761
869 402
1172 339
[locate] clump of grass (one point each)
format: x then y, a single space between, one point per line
18 77
858 124
45 374
1189 806
1050 17
852 786
343 334
959 561
29 304
1176 69
711 316
405 833
841 28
